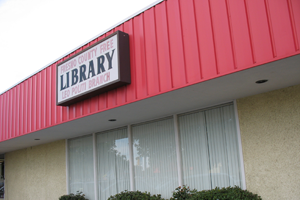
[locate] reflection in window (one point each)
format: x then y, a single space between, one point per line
1 178
81 169
113 162
210 151
209 147
155 157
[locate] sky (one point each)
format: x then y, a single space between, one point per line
34 33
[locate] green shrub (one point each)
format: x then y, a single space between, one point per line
183 192
180 193
134 195
229 193
78 196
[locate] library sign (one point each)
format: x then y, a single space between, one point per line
99 68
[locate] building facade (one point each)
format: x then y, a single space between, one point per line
213 100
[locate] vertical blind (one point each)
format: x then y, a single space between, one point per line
154 153
209 150
81 176
113 162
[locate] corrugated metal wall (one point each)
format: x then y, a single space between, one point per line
174 44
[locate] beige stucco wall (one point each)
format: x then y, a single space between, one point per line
36 173
270 133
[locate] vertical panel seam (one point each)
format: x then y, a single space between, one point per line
250 32
18 110
21 110
34 103
168 32
9 113
5 116
133 49
17 124
294 30
2 127
39 114
74 111
231 35
213 36
6 113
15 112
68 113
156 48
50 96
182 43
270 28
45 99
145 61
25 122
198 42
12 113
105 99
46 93
29 128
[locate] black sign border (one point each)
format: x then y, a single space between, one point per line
123 65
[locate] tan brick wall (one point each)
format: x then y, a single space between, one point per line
36 173
270 133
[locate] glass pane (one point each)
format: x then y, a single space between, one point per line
113 162
155 157
195 150
81 169
210 148
217 148
232 148
1 178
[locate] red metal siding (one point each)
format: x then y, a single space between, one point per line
163 48
172 45
294 6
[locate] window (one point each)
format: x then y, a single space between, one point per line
113 162
154 151
143 156
1 178
210 151
81 169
